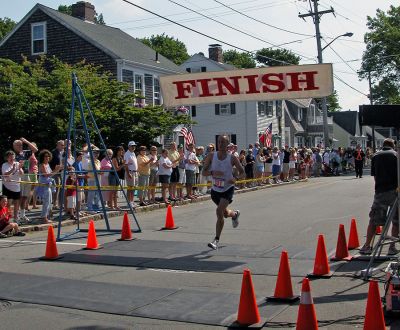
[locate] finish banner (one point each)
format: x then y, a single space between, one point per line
262 84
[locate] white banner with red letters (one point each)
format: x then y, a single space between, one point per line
262 84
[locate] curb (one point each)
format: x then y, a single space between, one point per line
148 208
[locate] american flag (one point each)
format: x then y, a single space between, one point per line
188 135
266 138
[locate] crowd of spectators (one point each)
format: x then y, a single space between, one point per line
152 176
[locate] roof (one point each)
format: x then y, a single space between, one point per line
302 103
297 126
114 42
346 120
223 66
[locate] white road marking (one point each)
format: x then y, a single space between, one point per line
41 242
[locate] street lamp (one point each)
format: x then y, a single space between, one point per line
324 105
347 34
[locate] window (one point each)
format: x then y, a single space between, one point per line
127 76
312 113
261 108
138 84
39 40
203 69
299 114
278 108
156 90
298 141
269 106
225 109
193 111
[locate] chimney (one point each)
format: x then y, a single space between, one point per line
84 11
215 53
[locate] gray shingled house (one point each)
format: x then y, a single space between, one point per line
45 31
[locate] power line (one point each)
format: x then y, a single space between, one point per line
201 33
343 60
353 88
270 25
235 29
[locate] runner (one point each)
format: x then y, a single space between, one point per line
220 166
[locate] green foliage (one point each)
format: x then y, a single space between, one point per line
276 57
332 102
381 57
171 48
35 102
6 25
239 60
65 9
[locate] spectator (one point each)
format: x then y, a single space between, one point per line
144 174
46 175
93 197
242 160
285 163
292 163
276 164
153 180
199 169
33 172
182 173
259 166
71 194
173 156
190 167
114 178
22 156
7 227
131 171
12 172
56 159
359 159
268 164
317 158
164 173
249 167
106 167
80 176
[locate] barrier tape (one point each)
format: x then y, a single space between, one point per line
118 188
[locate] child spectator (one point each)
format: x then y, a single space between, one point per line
7 227
71 194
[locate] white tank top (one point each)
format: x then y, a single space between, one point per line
221 184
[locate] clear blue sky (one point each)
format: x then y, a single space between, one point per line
350 17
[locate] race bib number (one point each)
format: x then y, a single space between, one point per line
218 182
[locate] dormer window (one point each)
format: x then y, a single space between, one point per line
39 38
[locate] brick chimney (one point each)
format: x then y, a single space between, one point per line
215 53
84 11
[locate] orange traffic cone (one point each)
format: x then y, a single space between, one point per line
321 265
51 246
306 318
283 287
126 233
169 220
342 253
248 310
353 237
374 319
92 243
378 230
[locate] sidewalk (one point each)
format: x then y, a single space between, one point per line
36 225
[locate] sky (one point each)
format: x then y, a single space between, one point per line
273 17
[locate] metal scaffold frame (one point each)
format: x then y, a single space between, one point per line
86 117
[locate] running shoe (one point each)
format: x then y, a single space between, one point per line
213 245
365 250
235 219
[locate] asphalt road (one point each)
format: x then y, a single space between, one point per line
283 217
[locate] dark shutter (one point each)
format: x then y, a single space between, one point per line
233 108
193 111
188 70
233 138
203 69
217 109
148 87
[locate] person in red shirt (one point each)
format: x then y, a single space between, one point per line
359 158
5 225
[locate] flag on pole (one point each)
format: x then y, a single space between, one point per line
266 138
188 135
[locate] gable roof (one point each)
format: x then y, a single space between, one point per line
346 120
223 66
114 42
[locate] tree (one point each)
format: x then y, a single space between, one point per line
381 58
35 102
65 9
332 102
276 57
239 60
171 48
6 25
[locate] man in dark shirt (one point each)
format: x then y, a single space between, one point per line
384 170
359 157
285 165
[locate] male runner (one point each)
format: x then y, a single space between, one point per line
219 165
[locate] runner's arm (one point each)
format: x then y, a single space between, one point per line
207 164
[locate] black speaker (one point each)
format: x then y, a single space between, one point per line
384 115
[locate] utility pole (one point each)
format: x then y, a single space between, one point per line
371 102
316 15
